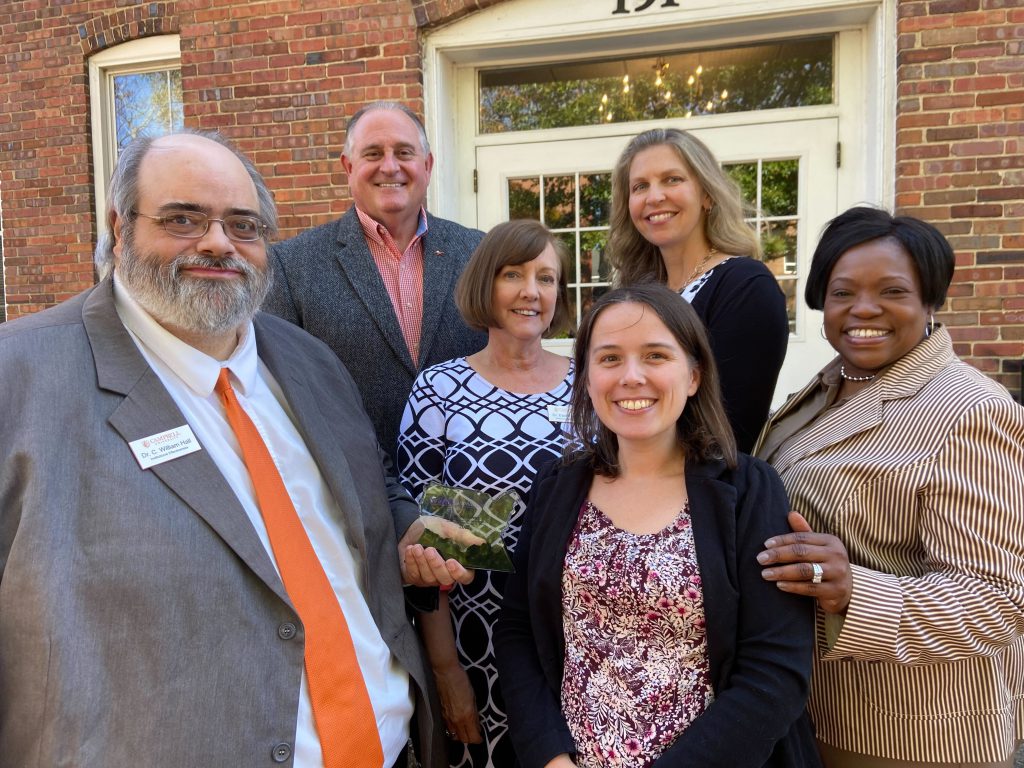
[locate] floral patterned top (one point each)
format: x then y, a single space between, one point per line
636 663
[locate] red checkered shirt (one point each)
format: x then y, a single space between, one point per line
402 274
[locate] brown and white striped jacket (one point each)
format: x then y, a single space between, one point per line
921 475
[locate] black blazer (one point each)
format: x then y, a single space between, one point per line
759 638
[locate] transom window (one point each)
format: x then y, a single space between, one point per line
773 75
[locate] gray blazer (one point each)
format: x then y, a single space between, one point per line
141 619
325 280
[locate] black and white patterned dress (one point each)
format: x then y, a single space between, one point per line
459 429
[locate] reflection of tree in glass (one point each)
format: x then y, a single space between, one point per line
595 199
779 192
559 201
524 198
779 185
745 176
797 77
589 296
147 104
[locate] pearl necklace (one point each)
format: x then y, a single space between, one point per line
842 373
699 268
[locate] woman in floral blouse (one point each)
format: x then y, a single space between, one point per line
637 630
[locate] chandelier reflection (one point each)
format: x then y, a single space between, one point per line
661 95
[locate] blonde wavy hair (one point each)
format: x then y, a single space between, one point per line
633 257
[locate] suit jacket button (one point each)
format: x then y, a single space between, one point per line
281 752
286 631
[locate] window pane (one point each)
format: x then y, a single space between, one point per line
524 198
559 201
745 175
147 104
791 73
595 199
779 184
594 265
572 271
788 286
778 243
585 299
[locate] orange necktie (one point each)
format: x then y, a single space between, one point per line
341 705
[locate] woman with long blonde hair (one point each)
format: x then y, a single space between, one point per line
677 217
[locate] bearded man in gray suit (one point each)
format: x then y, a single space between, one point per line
377 285
146 613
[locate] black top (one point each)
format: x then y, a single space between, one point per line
759 638
744 310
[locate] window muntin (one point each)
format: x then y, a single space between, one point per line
772 187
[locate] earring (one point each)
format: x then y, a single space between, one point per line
821 330
930 327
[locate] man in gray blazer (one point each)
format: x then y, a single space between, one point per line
143 620
377 284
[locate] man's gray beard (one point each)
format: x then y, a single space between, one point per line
193 304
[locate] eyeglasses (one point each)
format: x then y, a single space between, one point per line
193 225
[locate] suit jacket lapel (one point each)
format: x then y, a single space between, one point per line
357 263
440 271
318 432
862 413
864 410
148 409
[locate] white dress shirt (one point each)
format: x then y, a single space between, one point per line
189 376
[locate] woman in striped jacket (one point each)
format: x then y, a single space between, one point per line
905 468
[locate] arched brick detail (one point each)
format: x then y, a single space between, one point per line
101 32
434 13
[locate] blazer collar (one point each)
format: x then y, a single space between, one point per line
440 271
902 379
356 262
148 409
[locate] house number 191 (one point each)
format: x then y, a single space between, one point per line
621 6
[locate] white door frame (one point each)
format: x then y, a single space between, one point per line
521 31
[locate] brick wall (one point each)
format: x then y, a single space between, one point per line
960 163
281 77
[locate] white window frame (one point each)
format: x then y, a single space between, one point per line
143 55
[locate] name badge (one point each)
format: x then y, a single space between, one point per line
164 446
558 413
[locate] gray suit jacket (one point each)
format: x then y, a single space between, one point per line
325 280
141 619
